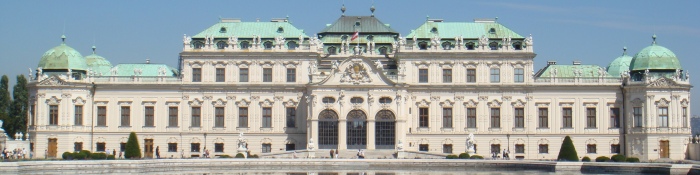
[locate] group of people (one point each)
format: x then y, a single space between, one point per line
334 154
504 155
360 154
16 153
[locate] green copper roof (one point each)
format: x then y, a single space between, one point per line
465 29
655 57
620 64
98 64
567 71
248 29
368 24
147 69
362 39
62 57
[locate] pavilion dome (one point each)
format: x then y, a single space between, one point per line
63 57
98 64
655 57
620 64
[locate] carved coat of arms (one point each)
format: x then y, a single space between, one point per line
356 74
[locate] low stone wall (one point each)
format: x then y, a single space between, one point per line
188 166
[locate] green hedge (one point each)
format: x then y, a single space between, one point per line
85 154
476 157
567 151
111 157
98 156
602 159
586 159
632 159
67 155
618 158
240 155
254 156
225 156
464 156
451 156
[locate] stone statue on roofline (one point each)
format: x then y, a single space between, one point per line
528 40
31 74
301 39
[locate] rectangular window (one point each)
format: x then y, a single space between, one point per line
519 75
544 118
122 147
77 146
53 114
495 75
290 147
566 115
519 118
266 147
78 115
172 147
663 116
291 75
194 147
196 117
519 149
447 117
220 74
126 116
219 117
100 147
447 75
291 117
614 117
32 109
267 74
423 147
172 116
149 117
423 117
637 112
422 75
544 148
590 149
471 117
267 117
243 75
102 116
496 148
243 117
495 117
590 118
218 147
615 149
447 148
684 112
196 74
471 75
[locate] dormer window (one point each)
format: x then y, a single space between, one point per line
344 37
492 31
447 45
245 45
371 37
356 100
280 30
493 46
221 45
267 45
433 30
384 100
470 46
423 45
518 46
292 45
198 44
328 100
222 30
383 50
357 23
332 50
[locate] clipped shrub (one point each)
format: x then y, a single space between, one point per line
586 159
476 157
111 157
618 158
567 151
225 156
632 159
98 156
85 154
240 155
451 156
67 155
602 159
79 156
254 156
464 156
133 151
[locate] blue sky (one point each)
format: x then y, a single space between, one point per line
133 31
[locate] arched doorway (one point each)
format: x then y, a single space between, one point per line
357 130
385 130
328 129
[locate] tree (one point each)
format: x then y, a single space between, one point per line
18 110
567 151
5 100
132 147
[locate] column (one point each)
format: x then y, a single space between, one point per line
342 133
370 134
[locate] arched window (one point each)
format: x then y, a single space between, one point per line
518 46
356 100
470 46
383 50
245 45
423 45
385 129
331 50
384 100
446 45
328 129
222 30
493 46
267 45
356 130
198 44
221 45
328 100
292 45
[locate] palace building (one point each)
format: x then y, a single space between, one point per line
360 84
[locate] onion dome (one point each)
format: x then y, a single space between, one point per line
98 64
620 64
62 57
655 57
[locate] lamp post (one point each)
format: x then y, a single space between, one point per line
205 141
508 146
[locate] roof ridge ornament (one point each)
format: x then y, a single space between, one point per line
63 39
342 9
93 49
653 37
624 50
372 9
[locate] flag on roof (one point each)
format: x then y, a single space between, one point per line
354 36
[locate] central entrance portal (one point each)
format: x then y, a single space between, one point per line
357 130
328 130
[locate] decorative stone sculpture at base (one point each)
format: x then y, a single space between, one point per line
242 145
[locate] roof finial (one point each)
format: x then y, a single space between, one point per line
342 9
93 49
653 37
372 9
63 39
427 17
624 50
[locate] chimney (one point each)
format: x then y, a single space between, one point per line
551 62
577 62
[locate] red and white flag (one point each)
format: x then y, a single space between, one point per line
354 36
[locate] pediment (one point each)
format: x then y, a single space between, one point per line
662 82
53 81
358 71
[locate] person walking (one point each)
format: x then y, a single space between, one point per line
332 153
114 152
336 153
157 152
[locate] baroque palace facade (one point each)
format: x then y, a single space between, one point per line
377 90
